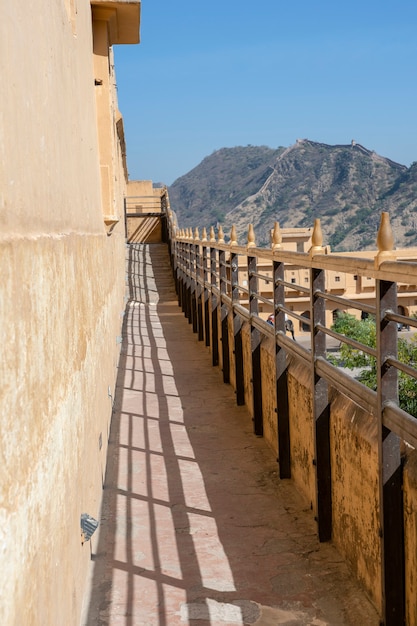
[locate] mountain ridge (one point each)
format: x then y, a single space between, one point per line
347 186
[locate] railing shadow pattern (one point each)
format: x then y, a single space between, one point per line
196 528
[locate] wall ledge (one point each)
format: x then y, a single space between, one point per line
123 17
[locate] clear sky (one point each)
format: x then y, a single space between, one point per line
225 73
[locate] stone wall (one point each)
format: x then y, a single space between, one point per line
61 299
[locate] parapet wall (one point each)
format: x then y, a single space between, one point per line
354 466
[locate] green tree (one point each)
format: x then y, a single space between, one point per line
364 331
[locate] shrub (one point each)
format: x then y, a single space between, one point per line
364 331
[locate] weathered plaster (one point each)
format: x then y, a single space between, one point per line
61 304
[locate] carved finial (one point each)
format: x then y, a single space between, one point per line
196 235
317 239
233 236
276 237
189 233
220 235
212 235
251 237
384 241
204 234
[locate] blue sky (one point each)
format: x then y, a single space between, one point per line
227 73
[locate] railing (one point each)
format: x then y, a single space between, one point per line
136 205
206 271
145 217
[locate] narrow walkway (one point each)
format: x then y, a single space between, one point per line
196 527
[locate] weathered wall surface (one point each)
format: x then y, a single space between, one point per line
355 494
301 430
410 532
230 328
140 192
247 366
61 299
268 393
49 149
60 362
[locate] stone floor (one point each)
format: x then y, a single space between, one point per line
196 527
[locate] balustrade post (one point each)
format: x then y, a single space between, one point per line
281 373
255 338
199 292
237 326
180 274
206 276
389 452
321 407
188 281
193 290
174 260
214 308
183 274
185 279
224 318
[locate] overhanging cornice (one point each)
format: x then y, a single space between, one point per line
123 18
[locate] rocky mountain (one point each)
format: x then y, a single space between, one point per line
346 186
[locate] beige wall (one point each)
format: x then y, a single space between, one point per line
355 496
61 299
144 230
268 392
140 188
143 197
49 154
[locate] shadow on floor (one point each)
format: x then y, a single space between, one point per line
196 527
